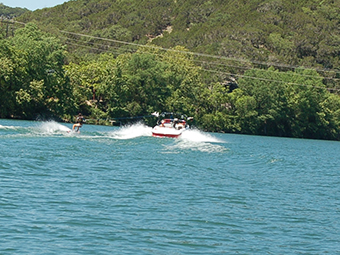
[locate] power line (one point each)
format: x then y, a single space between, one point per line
248 68
197 53
200 61
238 75
202 54
276 81
217 63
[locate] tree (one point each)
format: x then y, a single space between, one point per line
37 85
290 103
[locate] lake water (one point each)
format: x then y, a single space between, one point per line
111 190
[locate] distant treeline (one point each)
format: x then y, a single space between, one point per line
36 81
9 13
301 33
255 67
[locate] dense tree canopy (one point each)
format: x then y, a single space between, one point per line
9 13
297 33
257 67
32 80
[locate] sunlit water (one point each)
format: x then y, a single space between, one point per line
110 190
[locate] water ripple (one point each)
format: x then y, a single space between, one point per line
106 192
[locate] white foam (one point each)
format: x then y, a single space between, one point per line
52 127
195 135
8 127
197 146
197 140
132 131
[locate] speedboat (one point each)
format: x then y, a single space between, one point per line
170 124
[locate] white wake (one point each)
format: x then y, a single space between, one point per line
52 127
197 140
195 135
131 131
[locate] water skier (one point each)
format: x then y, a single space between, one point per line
80 121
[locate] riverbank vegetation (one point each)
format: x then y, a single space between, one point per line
273 70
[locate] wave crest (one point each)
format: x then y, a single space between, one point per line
131 131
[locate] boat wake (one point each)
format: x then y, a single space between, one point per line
197 140
52 127
131 131
47 128
195 135
191 139
8 127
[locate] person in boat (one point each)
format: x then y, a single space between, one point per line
175 123
80 121
180 125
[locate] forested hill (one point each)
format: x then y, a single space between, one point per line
255 67
9 13
302 33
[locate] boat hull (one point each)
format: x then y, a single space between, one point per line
166 132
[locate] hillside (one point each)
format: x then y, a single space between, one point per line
259 67
303 33
9 13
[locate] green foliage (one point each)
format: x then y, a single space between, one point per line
38 76
289 103
269 102
296 33
8 12
135 84
32 80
